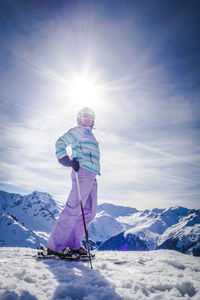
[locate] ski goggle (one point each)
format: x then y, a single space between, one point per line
87 116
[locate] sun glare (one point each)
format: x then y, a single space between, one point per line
85 89
82 90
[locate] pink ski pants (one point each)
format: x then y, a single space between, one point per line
68 230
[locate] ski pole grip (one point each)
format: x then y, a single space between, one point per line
75 164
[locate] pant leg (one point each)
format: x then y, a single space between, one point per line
90 208
67 220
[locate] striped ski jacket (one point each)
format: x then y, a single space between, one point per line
85 147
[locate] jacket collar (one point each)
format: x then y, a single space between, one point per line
86 129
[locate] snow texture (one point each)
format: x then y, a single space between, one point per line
155 275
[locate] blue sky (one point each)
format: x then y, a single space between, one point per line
136 63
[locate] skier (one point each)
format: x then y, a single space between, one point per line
68 230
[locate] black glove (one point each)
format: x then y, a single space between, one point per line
75 164
65 161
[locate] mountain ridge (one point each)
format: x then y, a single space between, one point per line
115 227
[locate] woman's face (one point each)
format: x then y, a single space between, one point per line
87 119
86 122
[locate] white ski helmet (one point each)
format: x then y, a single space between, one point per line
85 113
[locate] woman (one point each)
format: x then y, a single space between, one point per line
68 230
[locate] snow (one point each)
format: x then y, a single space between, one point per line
116 210
161 274
26 221
37 210
104 227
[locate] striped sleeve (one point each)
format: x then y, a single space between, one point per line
62 142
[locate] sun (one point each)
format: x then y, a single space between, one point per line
87 88
83 90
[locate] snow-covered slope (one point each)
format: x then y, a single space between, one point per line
176 228
35 209
125 242
14 233
115 210
104 227
161 274
26 220
183 235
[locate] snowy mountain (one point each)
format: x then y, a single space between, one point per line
125 242
26 221
184 235
15 233
116 275
176 228
104 227
115 210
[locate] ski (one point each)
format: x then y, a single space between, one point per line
68 255
139 260
41 255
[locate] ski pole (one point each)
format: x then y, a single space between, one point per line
83 216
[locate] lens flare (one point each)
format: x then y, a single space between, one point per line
82 90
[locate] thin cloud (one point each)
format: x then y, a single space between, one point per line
174 157
148 101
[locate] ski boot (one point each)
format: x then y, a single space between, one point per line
66 254
83 253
